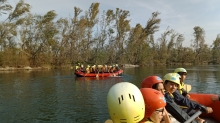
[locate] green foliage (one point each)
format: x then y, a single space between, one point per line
152 24
216 50
20 9
28 39
198 44
4 7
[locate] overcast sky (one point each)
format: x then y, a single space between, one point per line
180 15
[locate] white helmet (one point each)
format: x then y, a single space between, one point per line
180 70
173 77
125 103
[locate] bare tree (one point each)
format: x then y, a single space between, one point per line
4 7
216 50
199 42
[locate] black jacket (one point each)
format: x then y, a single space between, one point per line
179 114
183 101
184 92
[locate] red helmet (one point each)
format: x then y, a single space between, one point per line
149 81
153 100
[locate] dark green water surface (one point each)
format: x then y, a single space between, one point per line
57 96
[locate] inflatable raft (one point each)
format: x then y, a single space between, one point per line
101 74
209 100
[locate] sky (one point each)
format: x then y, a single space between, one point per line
180 15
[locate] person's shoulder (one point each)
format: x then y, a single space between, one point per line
147 122
108 121
176 93
168 97
166 94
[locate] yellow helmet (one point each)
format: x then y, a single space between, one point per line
173 77
125 103
181 70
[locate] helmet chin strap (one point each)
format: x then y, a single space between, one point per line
149 119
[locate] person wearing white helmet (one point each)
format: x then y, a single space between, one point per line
182 72
125 103
88 69
171 83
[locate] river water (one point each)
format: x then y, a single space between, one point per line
57 96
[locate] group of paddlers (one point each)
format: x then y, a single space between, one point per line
157 101
97 68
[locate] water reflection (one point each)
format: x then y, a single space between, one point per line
204 79
91 94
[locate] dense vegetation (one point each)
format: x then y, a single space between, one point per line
28 39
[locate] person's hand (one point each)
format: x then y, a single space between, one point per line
199 120
188 96
209 110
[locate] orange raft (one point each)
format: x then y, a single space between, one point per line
101 74
208 100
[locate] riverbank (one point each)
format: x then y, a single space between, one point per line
48 67
22 68
129 65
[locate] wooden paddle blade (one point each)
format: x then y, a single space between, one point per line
187 87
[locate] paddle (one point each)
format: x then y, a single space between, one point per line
97 75
113 74
193 117
187 87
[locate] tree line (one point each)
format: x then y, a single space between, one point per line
94 37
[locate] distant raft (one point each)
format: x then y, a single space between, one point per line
98 74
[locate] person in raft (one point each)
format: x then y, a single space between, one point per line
154 82
171 83
182 72
125 103
155 103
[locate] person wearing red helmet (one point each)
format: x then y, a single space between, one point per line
154 106
154 82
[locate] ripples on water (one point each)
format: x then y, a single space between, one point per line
58 96
53 96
